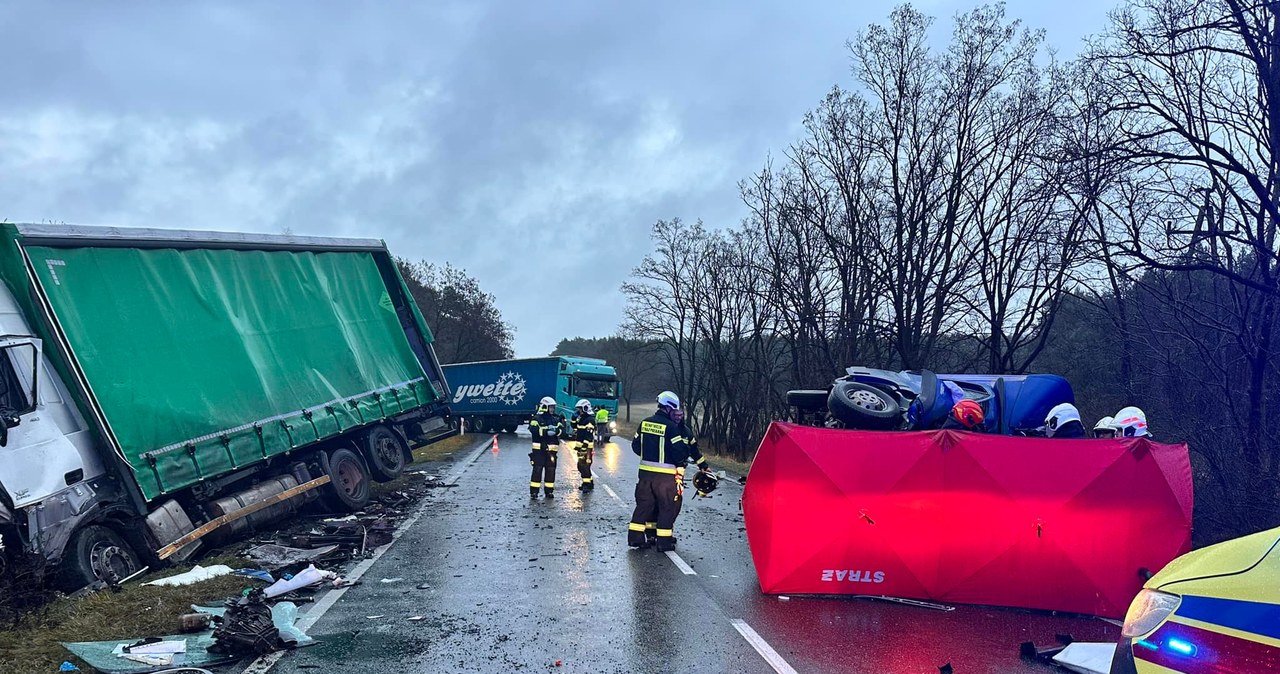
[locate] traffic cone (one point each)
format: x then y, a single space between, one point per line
494 448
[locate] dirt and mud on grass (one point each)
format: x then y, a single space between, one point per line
31 643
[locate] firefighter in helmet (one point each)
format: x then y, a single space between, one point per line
546 427
584 436
663 445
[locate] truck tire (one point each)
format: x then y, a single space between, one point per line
96 553
509 429
859 405
384 454
348 488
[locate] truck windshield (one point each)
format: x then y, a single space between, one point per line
595 388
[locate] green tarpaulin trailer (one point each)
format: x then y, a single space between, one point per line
182 377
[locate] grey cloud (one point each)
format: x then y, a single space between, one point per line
531 142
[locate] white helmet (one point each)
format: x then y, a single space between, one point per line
669 399
547 402
1131 422
1059 416
1105 425
584 405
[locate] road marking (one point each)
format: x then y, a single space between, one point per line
681 564
763 648
317 610
611 492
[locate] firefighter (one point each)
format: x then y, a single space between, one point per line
1063 422
584 435
602 425
546 427
663 444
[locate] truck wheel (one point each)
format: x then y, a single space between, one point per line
348 481
859 405
509 429
384 453
96 553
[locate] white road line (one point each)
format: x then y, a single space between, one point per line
612 493
763 648
317 610
681 564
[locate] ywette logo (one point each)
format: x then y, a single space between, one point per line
510 389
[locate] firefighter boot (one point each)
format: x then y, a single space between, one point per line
666 543
636 537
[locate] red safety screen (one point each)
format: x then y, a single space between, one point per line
967 518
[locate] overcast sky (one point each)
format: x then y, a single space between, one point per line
532 143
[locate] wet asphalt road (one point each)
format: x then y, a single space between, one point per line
508 584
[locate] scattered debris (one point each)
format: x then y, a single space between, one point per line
195 575
273 557
67 667
255 573
102 657
348 518
908 602
390 580
1086 657
784 598
416 618
305 578
193 622
374 617
1028 650
246 627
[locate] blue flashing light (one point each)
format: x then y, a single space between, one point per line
1181 647
1148 645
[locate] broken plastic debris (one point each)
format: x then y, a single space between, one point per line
305 578
1086 657
67 667
374 617
784 598
416 618
255 573
272 556
390 580
195 575
348 518
154 647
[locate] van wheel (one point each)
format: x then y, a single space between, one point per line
96 553
349 489
385 454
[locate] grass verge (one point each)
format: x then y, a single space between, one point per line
32 646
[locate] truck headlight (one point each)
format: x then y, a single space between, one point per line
613 425
1148 610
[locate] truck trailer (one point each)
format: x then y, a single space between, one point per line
161 389
499 395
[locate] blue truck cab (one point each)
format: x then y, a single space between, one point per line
499 395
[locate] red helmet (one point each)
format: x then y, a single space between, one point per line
968 413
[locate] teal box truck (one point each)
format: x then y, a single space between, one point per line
162 388
499 395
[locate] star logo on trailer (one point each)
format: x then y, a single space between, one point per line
512 388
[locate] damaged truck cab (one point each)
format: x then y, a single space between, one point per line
160 390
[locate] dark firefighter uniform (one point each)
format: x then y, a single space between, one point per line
584 433
546 429
664 448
